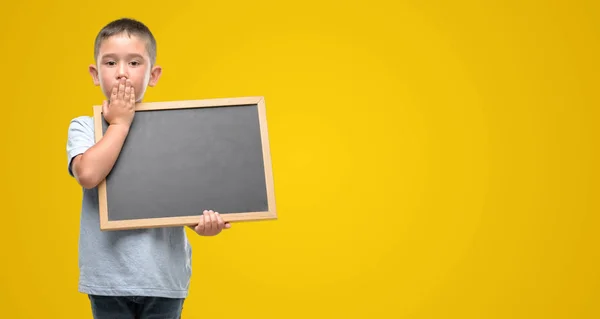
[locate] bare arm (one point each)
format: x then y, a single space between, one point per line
92 167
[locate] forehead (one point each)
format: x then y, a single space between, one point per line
123 44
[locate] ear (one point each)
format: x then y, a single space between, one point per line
94 73
154 75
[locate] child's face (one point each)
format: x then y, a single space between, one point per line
124 56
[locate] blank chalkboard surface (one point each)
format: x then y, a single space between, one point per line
183 157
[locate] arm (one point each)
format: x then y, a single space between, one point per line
91 167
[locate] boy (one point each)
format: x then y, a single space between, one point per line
141 273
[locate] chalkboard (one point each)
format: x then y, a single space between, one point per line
183 157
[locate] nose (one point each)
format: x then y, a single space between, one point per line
122 71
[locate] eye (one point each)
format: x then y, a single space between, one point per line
110 62
135 63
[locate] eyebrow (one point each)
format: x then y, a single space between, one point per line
113 55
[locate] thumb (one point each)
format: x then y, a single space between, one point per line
227 225
104 106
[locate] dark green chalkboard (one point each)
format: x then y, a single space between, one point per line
183 157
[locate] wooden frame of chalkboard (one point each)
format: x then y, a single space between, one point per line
266 196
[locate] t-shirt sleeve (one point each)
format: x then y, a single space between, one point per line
80 138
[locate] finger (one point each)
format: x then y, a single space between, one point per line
207 225
220 222
127 95
227 225
132 101
200 227
214 226
121 91
113 95
213 221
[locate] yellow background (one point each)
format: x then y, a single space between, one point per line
432 159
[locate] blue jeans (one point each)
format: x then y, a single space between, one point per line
105 307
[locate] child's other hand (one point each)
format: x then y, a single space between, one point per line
121 109
210 224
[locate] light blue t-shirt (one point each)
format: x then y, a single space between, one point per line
143 262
